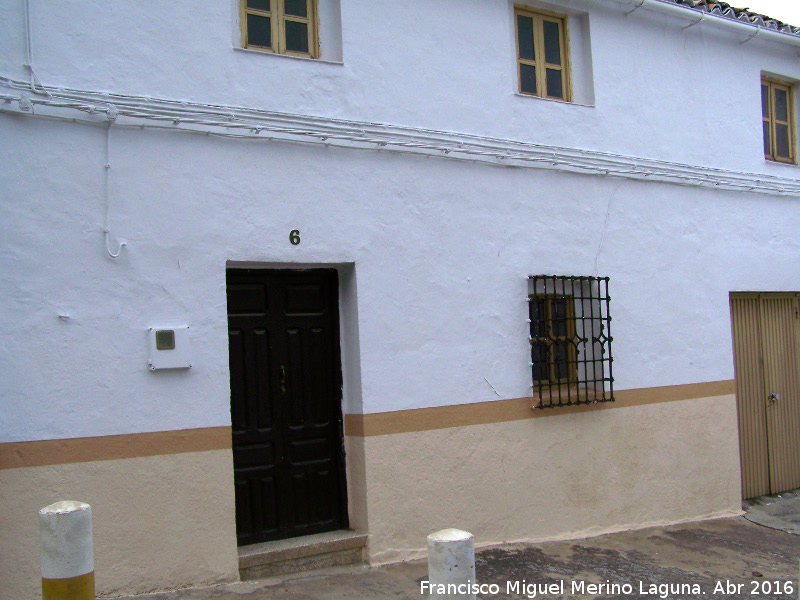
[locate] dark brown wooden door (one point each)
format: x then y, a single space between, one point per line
286 391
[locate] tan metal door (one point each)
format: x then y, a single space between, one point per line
766 333
779 324
745 318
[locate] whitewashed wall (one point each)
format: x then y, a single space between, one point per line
661 92
438 249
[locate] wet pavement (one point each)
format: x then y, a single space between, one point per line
754 556
781 511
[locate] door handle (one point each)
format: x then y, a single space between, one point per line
283 380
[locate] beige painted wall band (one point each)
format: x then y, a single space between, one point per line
17 455
515 409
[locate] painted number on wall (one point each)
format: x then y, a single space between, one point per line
294 237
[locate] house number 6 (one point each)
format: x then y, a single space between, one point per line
294 237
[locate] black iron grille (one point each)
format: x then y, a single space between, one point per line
570 336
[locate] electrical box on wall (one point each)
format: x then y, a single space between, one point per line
169 348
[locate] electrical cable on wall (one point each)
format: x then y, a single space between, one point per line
238 122
244 123
107 195
29 55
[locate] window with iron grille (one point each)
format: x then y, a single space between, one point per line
570 338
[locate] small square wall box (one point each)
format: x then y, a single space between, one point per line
170 348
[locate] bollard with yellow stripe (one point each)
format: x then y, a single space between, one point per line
67 553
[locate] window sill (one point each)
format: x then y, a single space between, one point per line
569 103
780 162
291 56
568 395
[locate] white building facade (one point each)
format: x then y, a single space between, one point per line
269 203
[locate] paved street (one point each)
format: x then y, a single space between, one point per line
723 558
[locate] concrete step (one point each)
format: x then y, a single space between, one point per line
305 553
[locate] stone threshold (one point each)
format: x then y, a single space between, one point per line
311 552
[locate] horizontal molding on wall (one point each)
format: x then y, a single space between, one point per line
39 453
516 409
126 111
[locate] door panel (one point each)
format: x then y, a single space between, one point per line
765 336
286 403
779 343
745 317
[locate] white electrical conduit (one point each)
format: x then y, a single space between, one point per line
107 193
29 53
239 122
685 12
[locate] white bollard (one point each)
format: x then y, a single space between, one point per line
65 529
451 564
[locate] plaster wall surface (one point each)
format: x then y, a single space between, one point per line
173 527
432 253
561 477
646 86
440 251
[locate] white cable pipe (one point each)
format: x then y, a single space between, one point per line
205 119
255 120
28 53
665 175
107 192
685 12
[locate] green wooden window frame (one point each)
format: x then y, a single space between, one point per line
280 26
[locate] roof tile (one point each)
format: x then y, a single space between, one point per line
745 15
